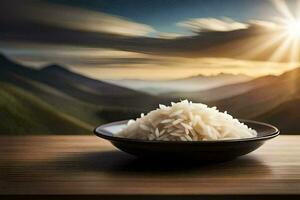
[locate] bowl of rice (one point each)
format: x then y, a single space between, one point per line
187 130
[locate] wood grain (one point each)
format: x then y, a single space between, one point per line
88 165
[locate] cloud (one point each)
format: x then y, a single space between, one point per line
165 35
212 24
86 20
115 64
264 24
75 18
229 44
41 55
224 38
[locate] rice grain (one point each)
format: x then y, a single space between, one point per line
186 121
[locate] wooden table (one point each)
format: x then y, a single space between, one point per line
87 165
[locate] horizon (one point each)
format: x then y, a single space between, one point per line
51 65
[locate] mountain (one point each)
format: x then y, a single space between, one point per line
268 101
91 102
56 100
89 85
22 113
83 88
173 88
225 91
285 116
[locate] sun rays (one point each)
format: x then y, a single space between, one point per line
290 24
283 42
267 33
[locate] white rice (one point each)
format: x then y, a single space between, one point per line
186 121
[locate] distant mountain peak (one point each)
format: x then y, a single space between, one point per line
5 60
220 75
55 68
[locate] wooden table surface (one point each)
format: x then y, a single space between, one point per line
88 165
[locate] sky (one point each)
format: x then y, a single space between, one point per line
139 39
164 14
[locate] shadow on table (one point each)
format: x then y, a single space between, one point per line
119 162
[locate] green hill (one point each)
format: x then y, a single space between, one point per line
80 100
23 113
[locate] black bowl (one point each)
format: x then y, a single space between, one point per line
217 150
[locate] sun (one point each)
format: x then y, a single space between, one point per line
293 28
284 44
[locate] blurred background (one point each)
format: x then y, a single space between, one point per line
67 66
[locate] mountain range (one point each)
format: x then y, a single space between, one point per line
55 100
272 99
276 101
224 91
73 98
188 84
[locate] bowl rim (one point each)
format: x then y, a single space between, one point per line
100 132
